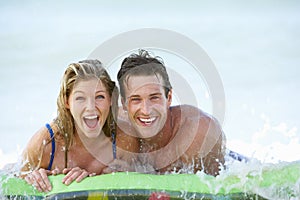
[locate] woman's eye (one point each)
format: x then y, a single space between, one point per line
79 98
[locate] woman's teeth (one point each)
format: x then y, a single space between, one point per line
91 117
91 121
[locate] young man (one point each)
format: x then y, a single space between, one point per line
178 138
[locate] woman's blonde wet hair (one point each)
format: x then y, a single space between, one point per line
81 71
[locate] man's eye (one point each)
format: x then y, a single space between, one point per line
135 99
154 98
100 97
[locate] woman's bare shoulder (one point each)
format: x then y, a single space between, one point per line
39 144
40 137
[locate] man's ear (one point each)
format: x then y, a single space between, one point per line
169 97
124 106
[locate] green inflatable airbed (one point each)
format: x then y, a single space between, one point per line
269 182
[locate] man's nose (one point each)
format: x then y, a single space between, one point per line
146 107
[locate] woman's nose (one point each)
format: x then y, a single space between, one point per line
90 104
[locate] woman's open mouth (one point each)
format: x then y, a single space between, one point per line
91 121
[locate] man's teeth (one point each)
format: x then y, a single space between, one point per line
147 120
91 117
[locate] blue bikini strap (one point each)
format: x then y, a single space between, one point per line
53 146
114 148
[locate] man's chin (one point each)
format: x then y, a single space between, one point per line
146 132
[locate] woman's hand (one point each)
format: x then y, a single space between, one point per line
39 179
75 173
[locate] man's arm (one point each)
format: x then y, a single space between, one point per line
208 148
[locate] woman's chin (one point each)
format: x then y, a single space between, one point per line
92 132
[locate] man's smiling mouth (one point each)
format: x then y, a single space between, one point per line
147 121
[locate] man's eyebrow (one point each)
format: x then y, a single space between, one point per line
134 95
155 94
152 94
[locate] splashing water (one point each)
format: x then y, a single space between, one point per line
266 180
262 173
272 143
9 171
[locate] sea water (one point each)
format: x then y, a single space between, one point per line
246 170
254 45
249 177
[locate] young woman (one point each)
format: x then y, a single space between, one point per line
82 140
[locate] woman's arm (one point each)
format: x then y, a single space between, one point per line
35 160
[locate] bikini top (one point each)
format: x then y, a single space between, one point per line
114 148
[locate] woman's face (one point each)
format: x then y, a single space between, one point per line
89 104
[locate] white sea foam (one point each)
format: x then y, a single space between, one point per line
8 158
271 143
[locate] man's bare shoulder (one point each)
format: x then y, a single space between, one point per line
201 129
126 138
189 112
197 121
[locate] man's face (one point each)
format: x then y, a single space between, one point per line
146 104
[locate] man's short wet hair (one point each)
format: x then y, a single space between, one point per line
143 64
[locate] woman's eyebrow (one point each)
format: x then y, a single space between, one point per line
78 91
99 91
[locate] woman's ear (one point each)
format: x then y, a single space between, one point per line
67 105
